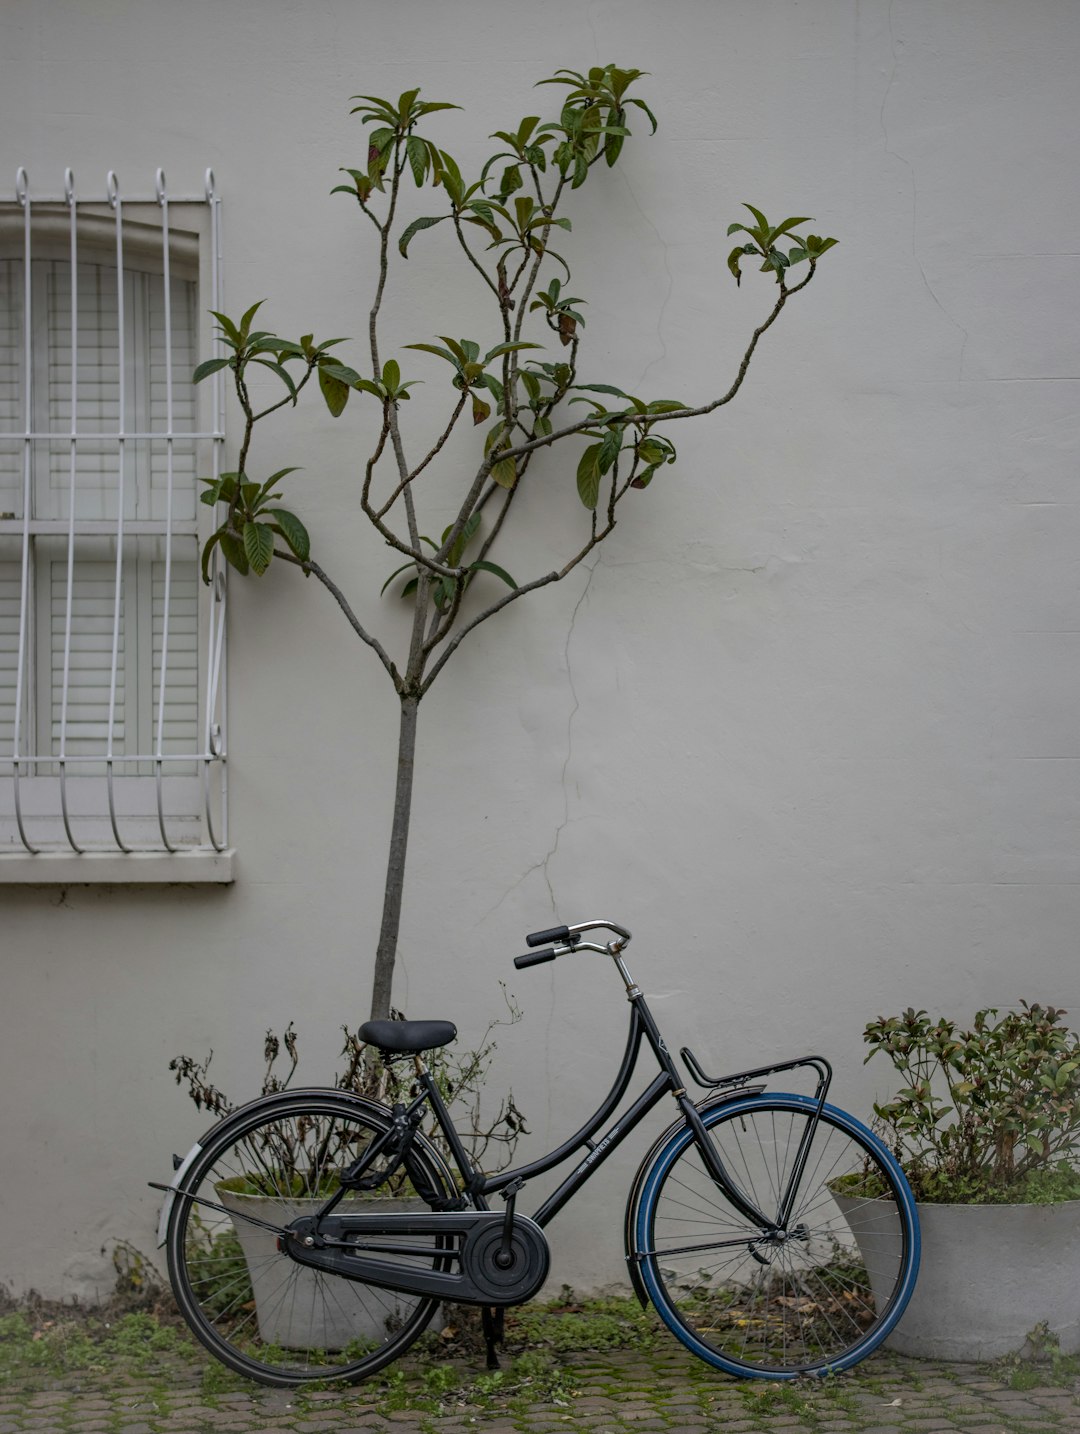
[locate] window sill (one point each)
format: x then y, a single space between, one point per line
95 868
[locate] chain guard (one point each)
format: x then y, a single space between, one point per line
525 1271
461 1245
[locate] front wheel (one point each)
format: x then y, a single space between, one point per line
818 1293
250 1304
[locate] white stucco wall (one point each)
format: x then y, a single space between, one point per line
807 725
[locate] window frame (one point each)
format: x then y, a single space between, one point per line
120 233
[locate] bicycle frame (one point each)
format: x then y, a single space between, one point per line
773 1233
312 1242
477 1186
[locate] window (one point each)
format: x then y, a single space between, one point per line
111 647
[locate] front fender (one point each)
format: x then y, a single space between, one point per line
710 1102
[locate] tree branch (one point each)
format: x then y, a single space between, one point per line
310 566
512 596
633 419
396 494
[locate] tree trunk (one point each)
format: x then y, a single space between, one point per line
382 983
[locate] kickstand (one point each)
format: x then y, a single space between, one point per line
493 1319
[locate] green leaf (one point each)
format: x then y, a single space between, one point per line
339 371
531 384
790 224
609 449
258 545
643 106
334 391
274 478
511 180
292 530
600 388
508 348
439 353
414 228
207 551
588 476
245 322
283 346
234 553
482 565
614 142
645 477
459 351
282 374
210 366
762 221
391 376
464 538
816 246
505 472
419 159
523 208
451 178
404 568
488 381
230 329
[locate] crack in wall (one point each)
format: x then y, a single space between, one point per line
542 864
667 270
569 734
895 46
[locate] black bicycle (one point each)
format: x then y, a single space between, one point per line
313 1234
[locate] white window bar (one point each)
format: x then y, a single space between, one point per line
147 591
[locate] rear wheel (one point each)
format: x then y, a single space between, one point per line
252 1306
822 1291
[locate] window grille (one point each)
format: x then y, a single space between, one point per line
112 697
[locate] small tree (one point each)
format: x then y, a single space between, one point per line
515 206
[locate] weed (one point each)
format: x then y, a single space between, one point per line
51 1350
1040 1362
219 1380
602 1323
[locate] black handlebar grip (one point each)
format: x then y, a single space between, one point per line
557 933
534 958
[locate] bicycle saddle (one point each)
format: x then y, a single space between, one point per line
403 1037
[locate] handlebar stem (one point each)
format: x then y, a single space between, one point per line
614 949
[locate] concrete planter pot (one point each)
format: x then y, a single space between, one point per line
290 1306
989 1275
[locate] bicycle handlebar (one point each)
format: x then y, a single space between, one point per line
534 958
568 938
556 933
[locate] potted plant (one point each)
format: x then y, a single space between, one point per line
290 1170
986 1125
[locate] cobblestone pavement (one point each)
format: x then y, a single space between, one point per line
610 1393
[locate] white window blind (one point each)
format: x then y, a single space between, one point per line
111 647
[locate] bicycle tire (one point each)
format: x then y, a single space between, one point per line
817 1300
254 1308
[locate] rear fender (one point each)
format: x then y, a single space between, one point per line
710 1102
267 1104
